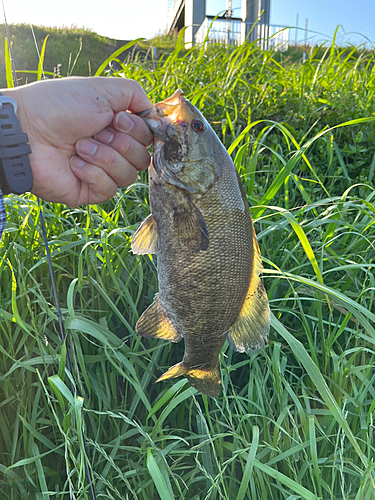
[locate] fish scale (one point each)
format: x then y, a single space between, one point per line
208 257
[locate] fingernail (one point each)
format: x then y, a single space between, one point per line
86 147
123 122
77 162
104 136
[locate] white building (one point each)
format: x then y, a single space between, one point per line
253 23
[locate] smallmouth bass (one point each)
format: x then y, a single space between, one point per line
208 256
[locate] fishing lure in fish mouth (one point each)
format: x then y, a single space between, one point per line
209 262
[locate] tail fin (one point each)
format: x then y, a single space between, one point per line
206 381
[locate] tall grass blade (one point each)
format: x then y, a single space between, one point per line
249 465
318 380
115 55
41 60
8 66
163 487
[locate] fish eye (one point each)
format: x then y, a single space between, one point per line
197 126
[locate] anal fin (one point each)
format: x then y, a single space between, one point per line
251 328
145 239
154 323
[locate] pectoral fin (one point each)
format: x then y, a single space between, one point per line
154 323
145 239
251 328
190 225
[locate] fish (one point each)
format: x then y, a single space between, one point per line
208 257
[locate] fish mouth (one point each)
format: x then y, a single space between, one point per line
156 123
145 112
163 114
161 108
175 99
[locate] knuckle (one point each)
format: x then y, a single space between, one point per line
111 159
103 186
137 85
98 176
127 144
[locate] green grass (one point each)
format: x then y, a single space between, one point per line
296 420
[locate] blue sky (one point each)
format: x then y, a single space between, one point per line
323 16
127 19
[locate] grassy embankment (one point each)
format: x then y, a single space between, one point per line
296 420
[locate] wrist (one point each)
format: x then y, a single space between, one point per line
16 94
15 171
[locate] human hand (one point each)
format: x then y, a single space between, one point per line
84 144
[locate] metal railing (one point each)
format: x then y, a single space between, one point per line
173 9
234 32
222 31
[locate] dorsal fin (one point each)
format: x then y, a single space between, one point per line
145 239
154 323
251 328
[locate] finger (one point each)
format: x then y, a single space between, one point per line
134 126
139 101
124 94
113 163
134 152
101 185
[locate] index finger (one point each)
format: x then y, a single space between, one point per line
124 94
139 101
